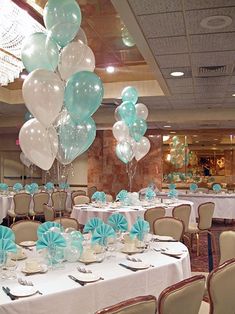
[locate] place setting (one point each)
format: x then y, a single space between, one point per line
85 276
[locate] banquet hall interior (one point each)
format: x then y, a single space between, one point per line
117 156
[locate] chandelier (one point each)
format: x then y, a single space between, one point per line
15 25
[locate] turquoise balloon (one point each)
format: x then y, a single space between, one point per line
28 115
130 93
39 52
74 139
124 152
127 112
83 95
137 129
63 19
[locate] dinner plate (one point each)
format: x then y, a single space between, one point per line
134 251
27 243
23 291
163 238
137 265
19 258
87 277
175 252
41 269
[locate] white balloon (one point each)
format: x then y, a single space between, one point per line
116 115
141 111
74 58
39 144
141 148
81 36
43 93
25 160
120 131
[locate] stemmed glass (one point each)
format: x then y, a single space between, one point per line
3 259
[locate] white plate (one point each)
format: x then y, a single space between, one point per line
175 252
27 243
87 277
163 238
41 269
23 291
137 265
134 251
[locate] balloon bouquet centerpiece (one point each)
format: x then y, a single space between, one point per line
61 90
129 130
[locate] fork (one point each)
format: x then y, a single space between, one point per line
84 270
133 259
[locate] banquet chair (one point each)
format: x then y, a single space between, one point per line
38 200
59 202
227 246
205 214
67 222
109 198
139 305
25 230
81 199
184 297
151 214
169 226
21 206
221 287
76 193
91 190
49 212
182 212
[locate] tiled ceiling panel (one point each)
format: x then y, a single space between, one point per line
232 80
208 88
169 45
180 82
209 95
213 58
162 25
181 89
141 7
212 42
194 18
206 4
172 61
223 80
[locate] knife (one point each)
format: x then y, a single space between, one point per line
7 291
82 283
127 267
168 254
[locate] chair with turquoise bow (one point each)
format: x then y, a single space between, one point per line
38 200
21 206
139 305
25 230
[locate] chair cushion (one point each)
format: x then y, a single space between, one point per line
192 228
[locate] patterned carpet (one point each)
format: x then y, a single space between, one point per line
200 263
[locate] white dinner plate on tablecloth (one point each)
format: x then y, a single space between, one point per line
175 252
136 265
23 291
134 251
87 277
27 243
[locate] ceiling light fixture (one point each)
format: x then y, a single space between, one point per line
165 138
233 95
173 132
176 74
110 69
216 21
167 126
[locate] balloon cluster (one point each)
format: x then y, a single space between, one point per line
61 92
179 152
130 127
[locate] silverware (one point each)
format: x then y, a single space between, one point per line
7 291
82 283
127 267
168 254
24 282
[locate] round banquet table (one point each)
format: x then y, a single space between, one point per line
63 295
84 212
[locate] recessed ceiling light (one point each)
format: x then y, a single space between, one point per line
196 141
216 21
195 135
177 73
167 126
172 132
110 69
23 76
233 95
215 139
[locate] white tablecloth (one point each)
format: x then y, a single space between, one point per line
62 295
84 212
224 203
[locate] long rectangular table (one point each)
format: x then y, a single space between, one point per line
62 295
